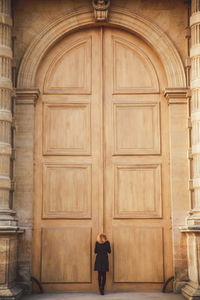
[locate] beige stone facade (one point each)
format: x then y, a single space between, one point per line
158 33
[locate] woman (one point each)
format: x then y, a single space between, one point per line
102 248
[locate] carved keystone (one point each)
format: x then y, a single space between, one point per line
101 9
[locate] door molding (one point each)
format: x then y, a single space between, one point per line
118 17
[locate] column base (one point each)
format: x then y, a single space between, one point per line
193 219
190 292
8 219
14 293
178 285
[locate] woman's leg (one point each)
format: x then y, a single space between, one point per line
104 279
99 279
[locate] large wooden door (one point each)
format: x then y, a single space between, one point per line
136 164
101 163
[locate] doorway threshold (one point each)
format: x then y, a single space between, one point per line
107 296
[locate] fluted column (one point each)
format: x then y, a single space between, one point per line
192 228
8 222
6 213
195 107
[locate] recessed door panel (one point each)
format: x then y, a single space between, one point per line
136 128
61 246
67 129
70 70
141 255
67 191
137 191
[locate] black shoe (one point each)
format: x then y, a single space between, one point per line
101 291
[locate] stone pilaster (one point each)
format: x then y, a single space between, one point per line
8 222
192 228
24 176
178 107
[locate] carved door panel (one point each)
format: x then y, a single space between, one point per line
101 163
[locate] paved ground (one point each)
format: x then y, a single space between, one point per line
109 296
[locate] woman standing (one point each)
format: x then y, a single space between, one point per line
102 248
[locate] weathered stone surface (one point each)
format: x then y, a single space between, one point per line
3 252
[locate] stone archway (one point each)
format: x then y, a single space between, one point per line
120 18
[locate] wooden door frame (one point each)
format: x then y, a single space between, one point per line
175 92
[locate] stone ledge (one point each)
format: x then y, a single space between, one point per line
11 230
190 228
190 293
27 96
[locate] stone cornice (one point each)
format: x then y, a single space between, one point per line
176 95
27 96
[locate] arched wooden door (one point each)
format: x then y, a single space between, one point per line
101 163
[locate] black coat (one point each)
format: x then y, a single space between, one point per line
101 262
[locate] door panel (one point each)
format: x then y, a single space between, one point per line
61 246
129 60
101 164
75 118
141 118
71 200
137 191
75 58
141 264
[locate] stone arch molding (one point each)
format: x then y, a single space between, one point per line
118 17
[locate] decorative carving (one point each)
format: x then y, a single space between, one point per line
101 9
